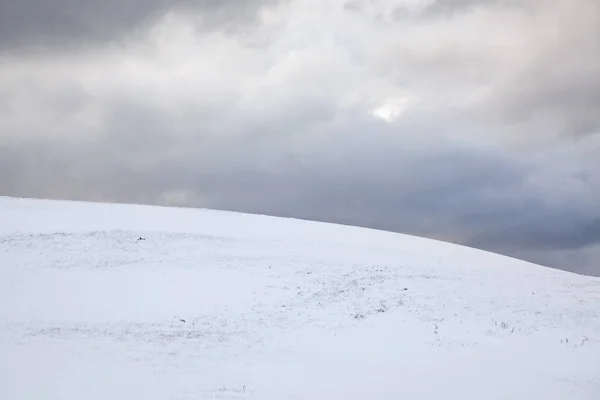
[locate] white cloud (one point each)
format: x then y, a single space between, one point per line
391 108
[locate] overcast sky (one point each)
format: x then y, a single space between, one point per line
472 121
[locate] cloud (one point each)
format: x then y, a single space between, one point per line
358 113
558 77
67 23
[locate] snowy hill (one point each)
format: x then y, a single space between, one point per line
218 305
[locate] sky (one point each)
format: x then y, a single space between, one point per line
475 122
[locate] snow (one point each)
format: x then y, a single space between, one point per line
220 305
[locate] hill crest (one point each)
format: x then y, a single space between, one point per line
127 301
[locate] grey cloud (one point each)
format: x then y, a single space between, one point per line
583 261
561 77
448 8
553 73
443 8
408 11
545 229
68 23
573 97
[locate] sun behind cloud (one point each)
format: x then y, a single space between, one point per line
391 108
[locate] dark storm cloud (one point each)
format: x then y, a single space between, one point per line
60 23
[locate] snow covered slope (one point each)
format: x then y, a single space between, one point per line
218 305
